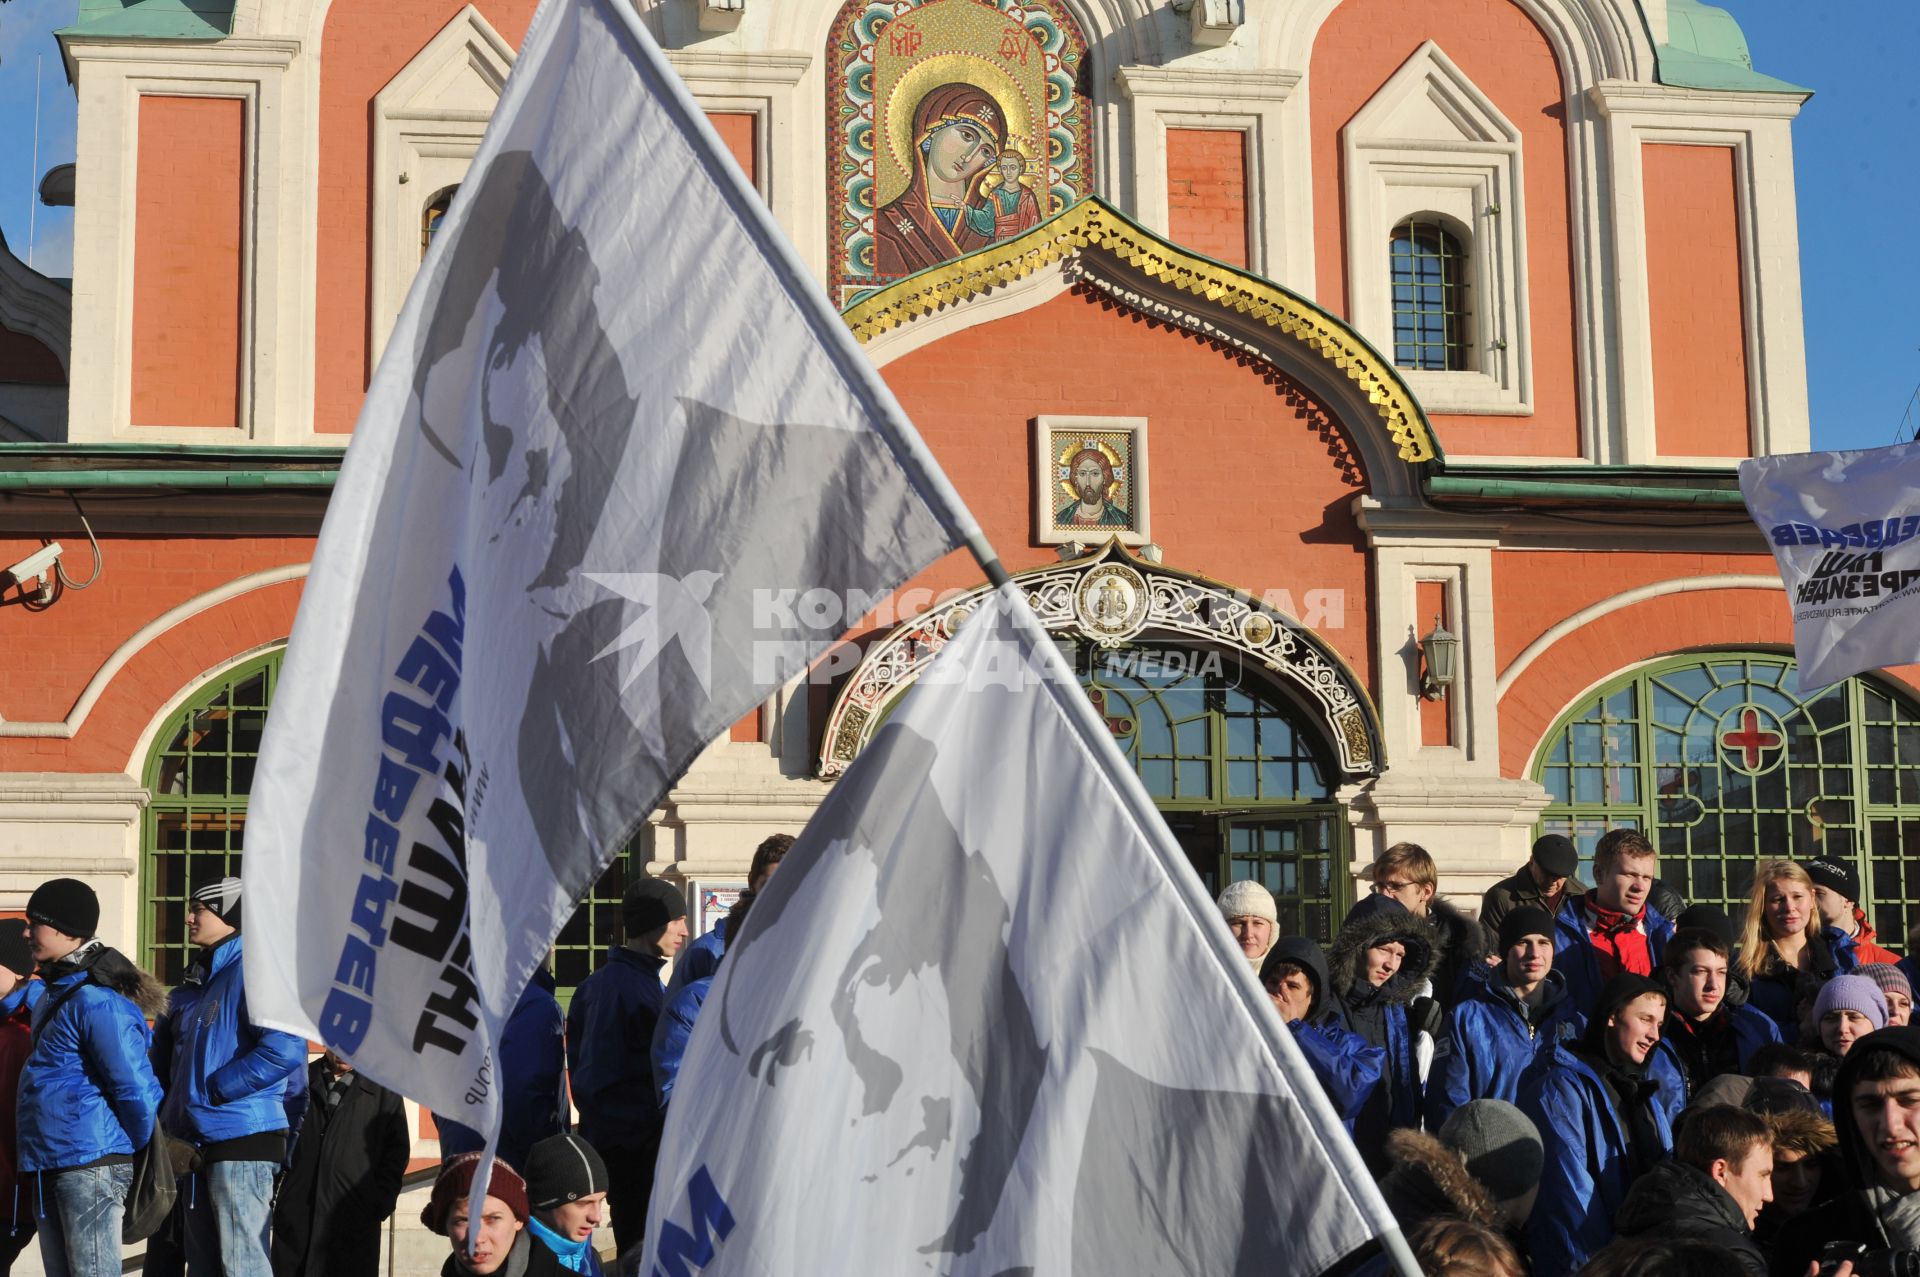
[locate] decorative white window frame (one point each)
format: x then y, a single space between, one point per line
1464 168
422 146
1045 482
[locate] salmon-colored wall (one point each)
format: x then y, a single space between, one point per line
27 361
1244 485
737 130
187 260
1207 192
1700 406
366 44
1536 589
1436 716
52 654
1360 46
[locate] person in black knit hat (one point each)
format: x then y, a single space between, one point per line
567 1188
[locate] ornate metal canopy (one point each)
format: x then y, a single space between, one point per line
1110 598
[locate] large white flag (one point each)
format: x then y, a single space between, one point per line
986 1020
1845 530
614 416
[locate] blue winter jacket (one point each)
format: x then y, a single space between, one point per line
610 1051
225 1078
1587 1171
699 960
533 1078
1492 1042
671 1035
1573 955
1751 1031
88 1091
1349 1070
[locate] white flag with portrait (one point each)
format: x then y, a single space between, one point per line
615 414
1845 531
985 1019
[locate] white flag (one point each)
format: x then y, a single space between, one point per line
986 1020
1845 530
615 418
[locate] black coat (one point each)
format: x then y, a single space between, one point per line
1674 1200
343 1181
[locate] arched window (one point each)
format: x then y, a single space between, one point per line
1240 774
200 775
1724 763
1431 296
432 215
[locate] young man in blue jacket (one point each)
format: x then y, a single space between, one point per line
1505 1015
226 1094
88 1095
1294 974
1612 928
609 1050
1600 1118
701 958
1707 1032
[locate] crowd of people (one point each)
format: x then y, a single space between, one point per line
1582 1079
282 1166
1605 1081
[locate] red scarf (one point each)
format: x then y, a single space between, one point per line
1619 940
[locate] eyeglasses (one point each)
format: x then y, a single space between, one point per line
1391 888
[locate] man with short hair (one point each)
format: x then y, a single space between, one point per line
88 1096
1406 873
701 957
567 1189
1783 1060
1505 1015
1706 1035
1713 1190
1876 1115
1598 1115
226 1094
609 1050
1836 894
1550 875
1611 929
1802 1142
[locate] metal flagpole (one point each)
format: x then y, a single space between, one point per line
33 168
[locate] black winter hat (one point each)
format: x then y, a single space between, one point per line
563 1168
67 905
222 899
1300 951
1619 991
1556 855
1711 918
1527 920
649 905
1835 876
16 955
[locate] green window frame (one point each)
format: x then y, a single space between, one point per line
1724 763
199 775
1237 768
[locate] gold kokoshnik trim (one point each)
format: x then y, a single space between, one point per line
1093 224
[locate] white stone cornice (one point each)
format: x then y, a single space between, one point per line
1614 96
695 65
234 51
1422 525
1209 84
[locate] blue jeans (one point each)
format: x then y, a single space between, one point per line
80 1220
229 1207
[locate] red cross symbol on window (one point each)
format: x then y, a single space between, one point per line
1119 724
1750 740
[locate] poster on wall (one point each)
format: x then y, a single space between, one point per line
713 899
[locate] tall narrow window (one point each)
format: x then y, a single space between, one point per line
1430 297
431 217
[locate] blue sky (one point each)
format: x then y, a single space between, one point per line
1853 146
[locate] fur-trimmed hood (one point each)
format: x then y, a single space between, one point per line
1383 920
1429 1179
111 969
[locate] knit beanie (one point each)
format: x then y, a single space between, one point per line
16 955
222 899
563 1168
1709 918
1889 978
1836 876
1499 1144
456 1181
1248 899
1616 993
1527 920
1852 993
67 905
649 905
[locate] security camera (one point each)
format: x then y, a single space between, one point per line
38 564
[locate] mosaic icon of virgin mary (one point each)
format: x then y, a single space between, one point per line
959 132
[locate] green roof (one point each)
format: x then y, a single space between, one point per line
153 19
1706 49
